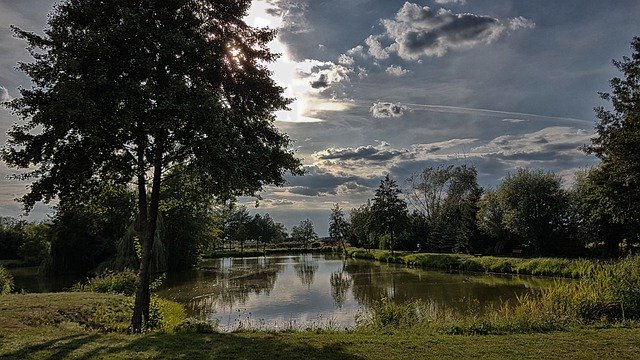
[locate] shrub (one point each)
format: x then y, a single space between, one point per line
6 281
195 326
112 282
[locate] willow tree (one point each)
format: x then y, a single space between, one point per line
124 91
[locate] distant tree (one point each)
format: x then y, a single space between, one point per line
617 142
36 246
389 211
360 226
236 225
534 204
338 226
11 237
125 90
594 223
304 232
264 230
490 218
447 197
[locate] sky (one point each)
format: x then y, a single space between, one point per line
392 87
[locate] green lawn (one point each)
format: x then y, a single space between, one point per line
59 337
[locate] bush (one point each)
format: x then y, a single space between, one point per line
6 281
195 326
112 282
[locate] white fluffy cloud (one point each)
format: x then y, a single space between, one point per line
387 110
4 95
396 70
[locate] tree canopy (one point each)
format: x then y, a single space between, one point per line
617 143
125 91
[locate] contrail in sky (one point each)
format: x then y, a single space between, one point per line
488 112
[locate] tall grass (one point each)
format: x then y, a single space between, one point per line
6 281
163 314
558 267
608 294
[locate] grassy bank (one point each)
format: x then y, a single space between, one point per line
558 267
248 252
22 337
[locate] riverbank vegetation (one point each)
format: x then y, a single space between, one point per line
59 325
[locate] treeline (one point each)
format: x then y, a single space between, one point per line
98 231
443 209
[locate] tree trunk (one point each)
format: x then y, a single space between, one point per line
148 224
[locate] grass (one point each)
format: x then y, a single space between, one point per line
21 338
6 281
557 267
252 252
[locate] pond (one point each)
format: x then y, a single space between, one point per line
320 290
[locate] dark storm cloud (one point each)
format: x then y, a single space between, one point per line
321 182
422 31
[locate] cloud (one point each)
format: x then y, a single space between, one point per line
547 144
330 73
421 31
382 152
375 48
398 71
4 95
319 181
521 23
293 14
345 60
387 110
514 121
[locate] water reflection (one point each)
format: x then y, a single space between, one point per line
305 267
272 292
340 284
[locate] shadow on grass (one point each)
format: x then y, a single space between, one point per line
185 346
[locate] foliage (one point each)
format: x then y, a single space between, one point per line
112 282
534 205
191 226
617 141
6 281
195 326
304 232
338 226
595 225
190 88
446 197
359 225
235 224
610 293
86 229
11 237
388 211
558 267
35 247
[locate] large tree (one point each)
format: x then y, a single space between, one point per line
388 210
304 232
124 91
534 206
617 143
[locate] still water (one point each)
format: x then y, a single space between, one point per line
318 290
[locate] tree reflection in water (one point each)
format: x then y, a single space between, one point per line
305 267
340 284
